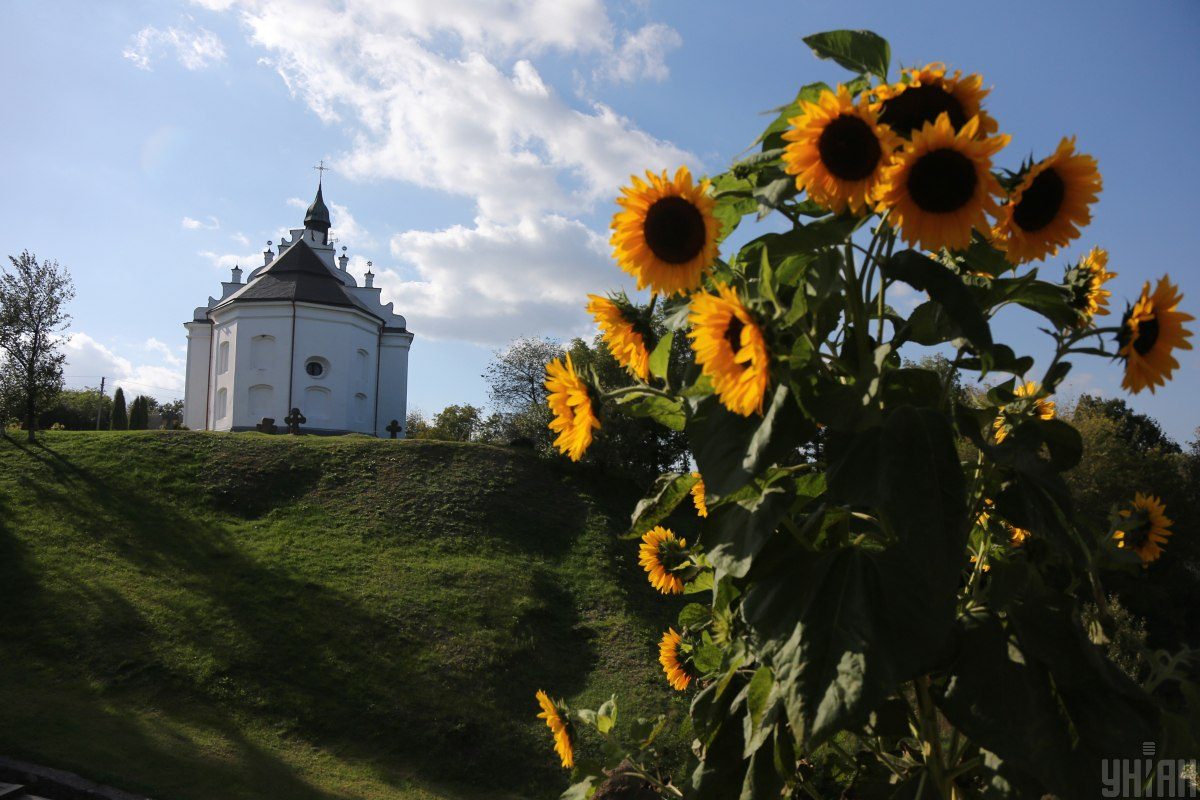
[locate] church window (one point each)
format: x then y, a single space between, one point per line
316 403
316 367
262 351
222 403
261 401
362 365
223 358
360 407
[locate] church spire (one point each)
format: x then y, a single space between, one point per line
317 216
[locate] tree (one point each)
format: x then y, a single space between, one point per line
1138 430
119 420
32 296
515 379
455 423
172 414
415 424
75 410
139 413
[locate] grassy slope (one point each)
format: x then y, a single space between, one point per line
211 616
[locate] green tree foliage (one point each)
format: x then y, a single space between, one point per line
120 418
1126 452
172 414
32 317
139 413
75 410
516 393
454 423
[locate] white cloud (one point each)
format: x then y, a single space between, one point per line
448 95
88 360
642 55
194 224
241 239
230 260
492 282
195 49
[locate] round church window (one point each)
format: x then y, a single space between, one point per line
315 367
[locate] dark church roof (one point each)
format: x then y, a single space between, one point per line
298 275
317 216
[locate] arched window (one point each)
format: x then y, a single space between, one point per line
363 364
222 403
262 351
360 407
223 358
262 401
317 402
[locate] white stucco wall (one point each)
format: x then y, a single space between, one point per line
393 382
266 374
195 391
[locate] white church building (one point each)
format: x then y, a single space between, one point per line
298 333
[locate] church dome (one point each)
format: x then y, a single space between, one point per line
317 216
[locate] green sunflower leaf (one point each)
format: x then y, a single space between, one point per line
857 51
668 491
661 356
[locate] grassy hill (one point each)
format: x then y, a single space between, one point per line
197 615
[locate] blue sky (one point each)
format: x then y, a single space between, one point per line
476 147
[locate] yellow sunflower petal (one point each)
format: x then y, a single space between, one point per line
731 350
571 404
1151 329
941 185
838 151
626 344
559 728
665 236
1052 203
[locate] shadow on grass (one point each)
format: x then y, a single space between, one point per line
311 661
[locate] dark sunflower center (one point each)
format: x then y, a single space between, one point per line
912 108
942 181
1147 335
849 148
1040 202
674 230
733 334
1138 536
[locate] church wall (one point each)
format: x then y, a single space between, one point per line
393 383
222 370
344 342
260 371
195 392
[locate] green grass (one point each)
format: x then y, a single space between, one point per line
197 615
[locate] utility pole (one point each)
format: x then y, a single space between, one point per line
99 403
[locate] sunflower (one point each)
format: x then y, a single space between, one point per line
986 514
1016 536
1150 330
620 329
571 403
666 236
668 655
730 349
929 93
1043 408
1145 528
941 184
838 151
660 551
1087 279
1049 206
560 726
698 495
